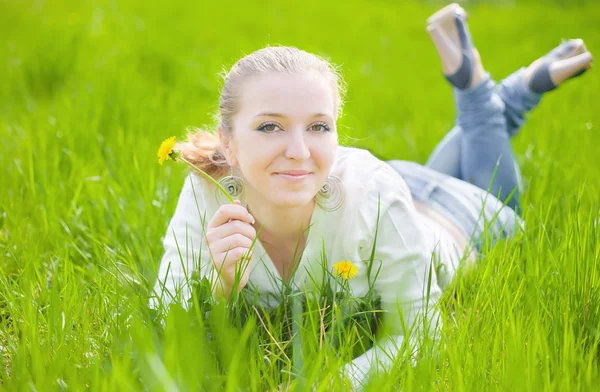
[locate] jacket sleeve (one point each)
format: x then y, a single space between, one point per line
408 292
185 249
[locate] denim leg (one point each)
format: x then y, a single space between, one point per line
471 208
445 158
518 99
486 160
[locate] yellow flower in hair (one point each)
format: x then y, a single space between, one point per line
166 149
345 269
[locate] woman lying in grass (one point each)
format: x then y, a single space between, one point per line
277 153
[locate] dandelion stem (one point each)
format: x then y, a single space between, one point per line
208 177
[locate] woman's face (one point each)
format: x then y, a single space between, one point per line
285 137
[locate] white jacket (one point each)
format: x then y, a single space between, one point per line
403 251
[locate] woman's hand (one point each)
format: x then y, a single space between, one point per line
229 235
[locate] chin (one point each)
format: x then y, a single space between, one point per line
288 199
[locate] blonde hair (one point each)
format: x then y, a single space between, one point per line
203 148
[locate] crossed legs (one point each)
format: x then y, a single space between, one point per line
478 148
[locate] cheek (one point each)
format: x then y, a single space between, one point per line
255 163
324 153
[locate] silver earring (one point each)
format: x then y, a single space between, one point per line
233 185
331 195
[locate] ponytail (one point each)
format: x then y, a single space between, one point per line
203 149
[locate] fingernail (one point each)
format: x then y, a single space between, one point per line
237 202
251 219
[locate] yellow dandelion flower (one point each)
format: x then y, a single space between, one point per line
345 269
166 149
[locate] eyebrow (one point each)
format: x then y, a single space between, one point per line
284 116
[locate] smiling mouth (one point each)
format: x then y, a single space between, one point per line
293 176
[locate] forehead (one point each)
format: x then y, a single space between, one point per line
290 95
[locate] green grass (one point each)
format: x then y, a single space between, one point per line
90 89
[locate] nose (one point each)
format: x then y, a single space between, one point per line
297 148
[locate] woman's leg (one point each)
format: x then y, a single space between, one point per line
480 141
486 158
445 157
518 100
519 93
519 97
523 89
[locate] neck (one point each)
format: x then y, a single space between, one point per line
280 224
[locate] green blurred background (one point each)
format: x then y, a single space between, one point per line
89 89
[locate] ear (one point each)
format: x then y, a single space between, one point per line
228 147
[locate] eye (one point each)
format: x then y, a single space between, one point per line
268 127
320 127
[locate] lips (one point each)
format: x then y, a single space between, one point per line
294 173
294 178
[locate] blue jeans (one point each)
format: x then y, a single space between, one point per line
472 177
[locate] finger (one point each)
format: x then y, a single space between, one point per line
229 260
230 211
233 241
233 227
237 202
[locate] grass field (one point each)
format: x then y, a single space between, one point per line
90 89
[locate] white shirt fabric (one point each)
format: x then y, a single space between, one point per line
404 249
446 251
